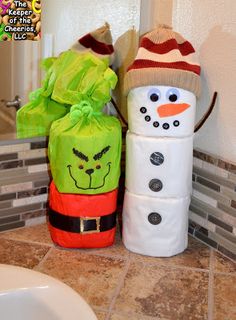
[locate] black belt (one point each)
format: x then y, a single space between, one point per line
82 225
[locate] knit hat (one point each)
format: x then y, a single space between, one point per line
164 58
98 42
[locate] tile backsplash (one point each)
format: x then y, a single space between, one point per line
24 180
25 177
212 212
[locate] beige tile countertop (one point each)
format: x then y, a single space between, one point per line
119 285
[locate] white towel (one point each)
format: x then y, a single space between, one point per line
159 167
168 235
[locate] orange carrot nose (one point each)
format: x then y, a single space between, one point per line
171 109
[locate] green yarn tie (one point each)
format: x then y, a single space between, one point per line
82 109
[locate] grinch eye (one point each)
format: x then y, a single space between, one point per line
172 95
154 95
81 167
98 166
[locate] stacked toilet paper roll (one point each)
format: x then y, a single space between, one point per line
158 167
161 86
155 226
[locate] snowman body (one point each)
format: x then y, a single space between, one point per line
158 170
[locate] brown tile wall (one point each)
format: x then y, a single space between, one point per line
24 181
213 211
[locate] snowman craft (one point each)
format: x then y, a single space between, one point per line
162 85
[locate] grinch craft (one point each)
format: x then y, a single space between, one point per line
84 151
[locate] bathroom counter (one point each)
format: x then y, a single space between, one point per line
120 285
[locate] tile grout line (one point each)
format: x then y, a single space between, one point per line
174 266
28 242
94 253
37 267
229 274
222 254
118 288
211 287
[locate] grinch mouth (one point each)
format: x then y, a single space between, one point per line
90 179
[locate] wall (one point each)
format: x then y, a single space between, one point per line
79 17
154 12
211 27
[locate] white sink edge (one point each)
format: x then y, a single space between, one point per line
18 280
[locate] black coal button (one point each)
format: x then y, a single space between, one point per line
155 185
156 124
176 123
166 126
157 158
143 110
154 218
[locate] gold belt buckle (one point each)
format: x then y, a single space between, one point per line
90 231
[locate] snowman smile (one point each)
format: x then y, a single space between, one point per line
172 109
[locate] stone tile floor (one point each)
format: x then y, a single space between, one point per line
119 285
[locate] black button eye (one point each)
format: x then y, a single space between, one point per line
98 167
173 97
154 95
81 167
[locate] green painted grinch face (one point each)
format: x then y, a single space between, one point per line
90 174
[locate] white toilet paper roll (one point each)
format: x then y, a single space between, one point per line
155 227
159 167
161 111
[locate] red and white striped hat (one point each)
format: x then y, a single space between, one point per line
164 58
99 42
